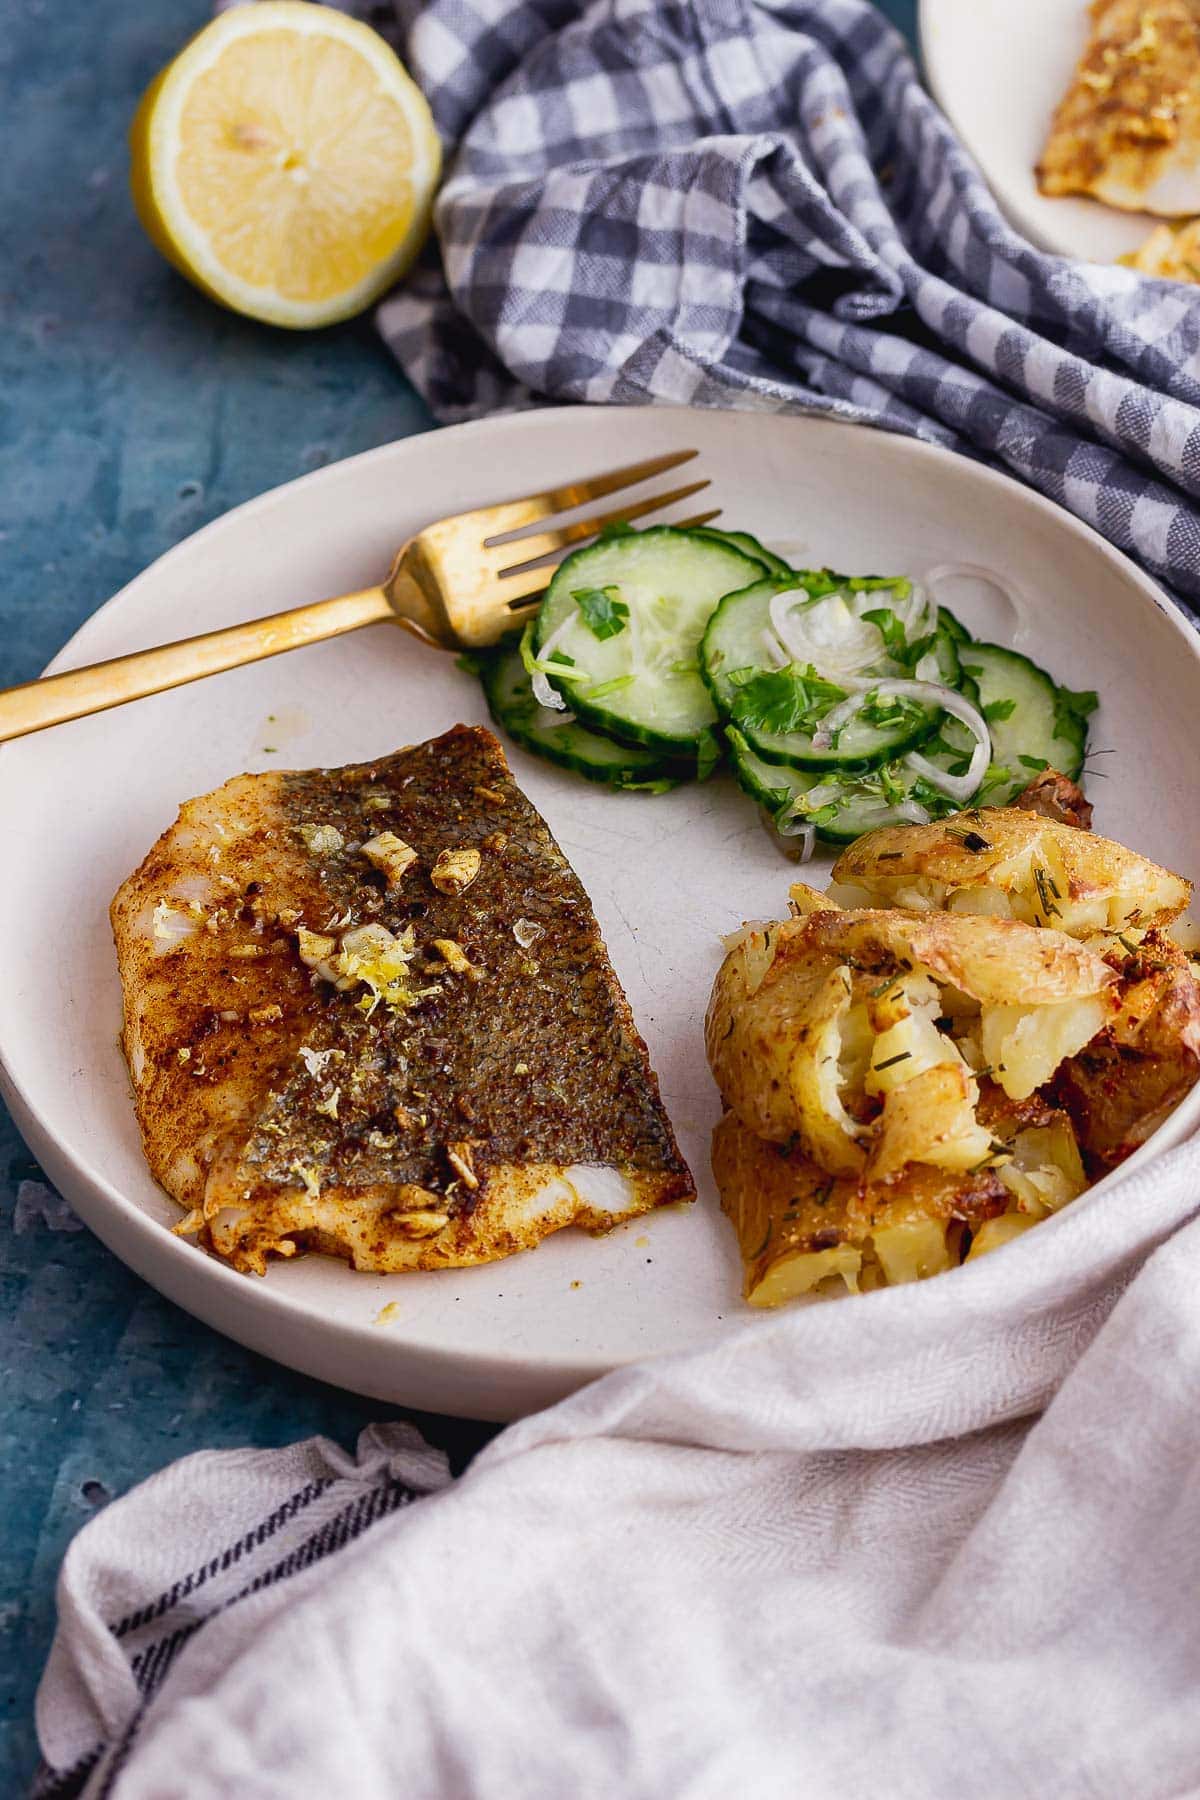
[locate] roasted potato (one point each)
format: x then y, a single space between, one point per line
1008 862
909 1083
1119 1088
798 1227
774 1040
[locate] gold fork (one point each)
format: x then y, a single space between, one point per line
460 584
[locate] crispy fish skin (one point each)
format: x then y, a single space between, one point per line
492 1089
1128 129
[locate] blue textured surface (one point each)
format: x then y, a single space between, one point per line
131 412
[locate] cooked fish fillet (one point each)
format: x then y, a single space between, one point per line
1128 129
368 1011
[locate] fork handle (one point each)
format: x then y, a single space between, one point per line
56 698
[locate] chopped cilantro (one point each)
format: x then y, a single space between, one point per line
893 790
604 612
708 755
559 664
816 583
890 630
998 710
891 711
1071 710
794 698
1037 763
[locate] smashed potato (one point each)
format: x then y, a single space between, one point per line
916 1082
801 1230
1120 1086
1007 862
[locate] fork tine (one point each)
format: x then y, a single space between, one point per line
513 515
529 602
531 550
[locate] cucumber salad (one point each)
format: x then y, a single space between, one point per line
842 702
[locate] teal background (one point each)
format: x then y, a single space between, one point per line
132 411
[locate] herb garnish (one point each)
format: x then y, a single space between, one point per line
1044 884
890 629
891 710
708 754
794 698
889 1061
604 612
971 840
1073 709
996 711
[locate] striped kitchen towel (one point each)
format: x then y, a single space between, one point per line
754 203
830 1556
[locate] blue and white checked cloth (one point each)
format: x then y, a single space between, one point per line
754 203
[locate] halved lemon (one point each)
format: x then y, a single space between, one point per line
286 162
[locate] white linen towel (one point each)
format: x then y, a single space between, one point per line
830 1557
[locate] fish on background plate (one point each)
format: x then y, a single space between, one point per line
1127 131
368 1011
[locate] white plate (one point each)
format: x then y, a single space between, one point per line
79 807
998 69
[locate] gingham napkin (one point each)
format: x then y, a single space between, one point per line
753 203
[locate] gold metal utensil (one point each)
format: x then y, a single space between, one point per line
460 584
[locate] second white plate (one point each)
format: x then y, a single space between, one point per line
998 69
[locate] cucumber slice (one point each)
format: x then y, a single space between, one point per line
953 627
776 787
750 546
736 641
848 803
637 677
559 739
1039 726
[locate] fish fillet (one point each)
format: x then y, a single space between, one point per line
368 1011
1128 129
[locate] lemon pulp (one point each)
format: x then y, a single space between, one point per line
286 163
